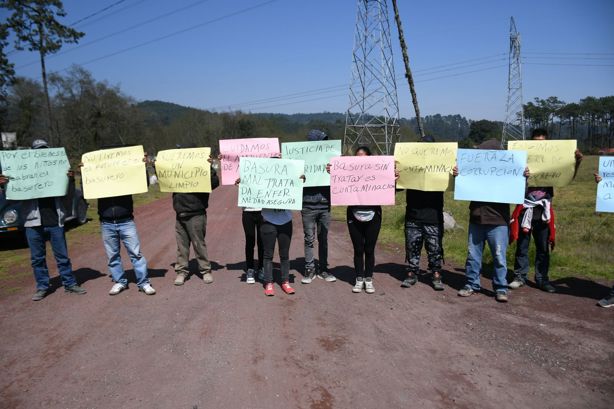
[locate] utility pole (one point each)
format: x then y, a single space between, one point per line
408 75
372 118
513 127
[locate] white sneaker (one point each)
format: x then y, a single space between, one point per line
117 288
360 283
369 289
250 276
516 284
148 289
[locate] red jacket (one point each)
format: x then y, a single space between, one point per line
515 224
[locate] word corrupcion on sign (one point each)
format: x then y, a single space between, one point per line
184 170
233 149
362 180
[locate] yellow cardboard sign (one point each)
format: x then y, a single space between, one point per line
113 172
550 163
425 166
184 170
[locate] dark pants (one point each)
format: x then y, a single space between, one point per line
541 233
37 238
316 221
417 235
191 231
251 227
364 237
283 235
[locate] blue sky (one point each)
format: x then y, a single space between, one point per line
234 54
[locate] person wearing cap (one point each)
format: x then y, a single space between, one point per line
423 227
44 220
316 219
535 217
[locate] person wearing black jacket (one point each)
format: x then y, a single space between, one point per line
191 227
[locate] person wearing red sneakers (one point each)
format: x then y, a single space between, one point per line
276 226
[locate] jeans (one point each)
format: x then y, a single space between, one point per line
283 235
417 235
191 230
364 237
112 233
316 221
541 233
37 238
251 227
497 239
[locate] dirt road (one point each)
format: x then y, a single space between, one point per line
226 345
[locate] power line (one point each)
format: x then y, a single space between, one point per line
569 64
175 33
94 14
99 39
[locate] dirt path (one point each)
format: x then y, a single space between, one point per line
226 345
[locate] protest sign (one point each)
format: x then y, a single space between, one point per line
113 172
316 155
184 170
271 183
232 149
551 163
362 180
425 165
490 176
35 173
605 188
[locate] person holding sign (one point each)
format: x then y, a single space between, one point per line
116 214
535 217
316 219
191 227
45 221
423 226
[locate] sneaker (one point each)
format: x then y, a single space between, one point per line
326 276
207 277
410 280
117 288
310 274
39 295
605 303
466 291
369 289
75 289
501 296
180 279
517 283
360 283
286 287
147 289
268 290
437 283
547 287
250 276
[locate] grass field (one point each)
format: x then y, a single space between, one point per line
585 239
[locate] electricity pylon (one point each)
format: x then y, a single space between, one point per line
513 128
372 118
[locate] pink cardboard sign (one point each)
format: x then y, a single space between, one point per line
362 180
232 149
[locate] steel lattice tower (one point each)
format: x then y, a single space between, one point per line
513 128
372 118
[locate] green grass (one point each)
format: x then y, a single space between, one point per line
584 241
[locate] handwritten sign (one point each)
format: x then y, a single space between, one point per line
425 165
316 155
271 183
362 180
232 149
113 172
551 163
490 175
184 170
605 188
35 173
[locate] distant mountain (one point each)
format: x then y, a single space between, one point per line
162 112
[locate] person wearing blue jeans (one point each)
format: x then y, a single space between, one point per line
44 220
117 226
488 223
